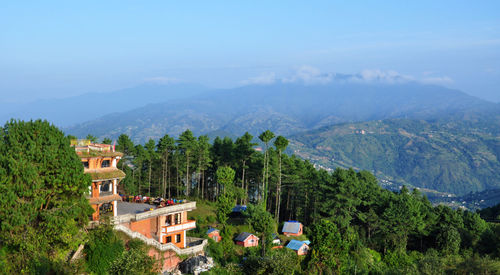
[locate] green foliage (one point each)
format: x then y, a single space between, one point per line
263 223
42 187
279 262
125 145
102 249
328 250
225 176
92 138
107 141
133 261
226 200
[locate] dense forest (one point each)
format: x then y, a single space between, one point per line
368 228
354 225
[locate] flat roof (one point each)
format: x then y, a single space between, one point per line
132 207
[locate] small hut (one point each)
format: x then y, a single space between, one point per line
214 234
301 248
292 228
246 239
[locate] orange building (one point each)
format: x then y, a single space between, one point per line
161 226
99 161
246 239
214 234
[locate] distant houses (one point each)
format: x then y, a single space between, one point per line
292 228
300 247
214 234
246 239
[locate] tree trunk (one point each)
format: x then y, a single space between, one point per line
202 184
199 178
167 175
278 193
149 178
177 176
264 177
187 175
243 180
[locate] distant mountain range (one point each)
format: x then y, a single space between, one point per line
406 133
448 156
72 110
285 109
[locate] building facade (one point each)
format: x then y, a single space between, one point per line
100 162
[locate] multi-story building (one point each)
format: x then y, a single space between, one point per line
164 227
100 162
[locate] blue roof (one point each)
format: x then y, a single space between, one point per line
211 229
295 245
291 227
239 208
307 242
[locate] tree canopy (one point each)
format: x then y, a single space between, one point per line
42 187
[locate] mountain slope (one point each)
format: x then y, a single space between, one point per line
284 109
447 156
72 110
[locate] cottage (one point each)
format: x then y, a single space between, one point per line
246 239
301 248
292 228
214 234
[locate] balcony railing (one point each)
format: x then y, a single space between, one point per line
195 245
179 227
105 193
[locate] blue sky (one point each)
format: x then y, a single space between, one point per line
64 48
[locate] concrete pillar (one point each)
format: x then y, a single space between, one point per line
114 186
184 232
115 208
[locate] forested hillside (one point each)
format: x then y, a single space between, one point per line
354 225
448 156
285 109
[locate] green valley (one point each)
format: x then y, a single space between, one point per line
447 156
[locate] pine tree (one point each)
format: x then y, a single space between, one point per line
42 193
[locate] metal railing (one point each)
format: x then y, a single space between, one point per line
194 249
154 213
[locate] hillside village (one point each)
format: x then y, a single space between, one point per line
160 223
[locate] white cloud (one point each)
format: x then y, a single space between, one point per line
312 75
263 79
162 80
382 76
440 80
309 75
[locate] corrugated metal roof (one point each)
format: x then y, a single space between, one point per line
307 242
291 227
295 245
243 236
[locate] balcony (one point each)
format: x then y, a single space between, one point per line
105 193
179 227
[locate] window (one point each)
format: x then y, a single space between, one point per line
85 164
169 239
178 238
105 163
106 186
178 218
